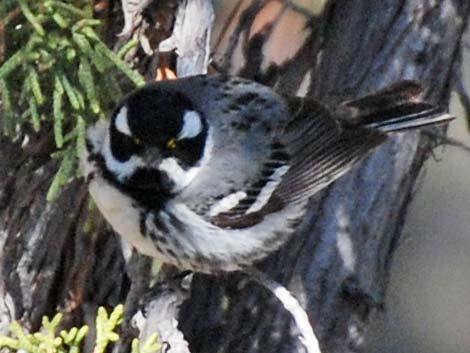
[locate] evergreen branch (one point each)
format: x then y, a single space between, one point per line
60 20
151 345
85 77
83 44
63 175
58 112
81 135
100 62
69 51
127 47
70 92
11 64
34 85
35 117
46 340
70 54
91 34
81 334
31 18
121 65
81 99
47 59
105 327
25 341
67 7
85 22
9 342
113 89
8 115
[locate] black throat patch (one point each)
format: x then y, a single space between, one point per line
152 194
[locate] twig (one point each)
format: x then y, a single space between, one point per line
191 37
132 11
292 305
446 140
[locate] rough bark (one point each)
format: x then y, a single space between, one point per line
337 265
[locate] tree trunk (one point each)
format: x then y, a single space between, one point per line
337 265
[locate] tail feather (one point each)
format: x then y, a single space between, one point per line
324 145
412 121
395 108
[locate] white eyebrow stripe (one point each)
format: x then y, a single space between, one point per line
122 124
192 125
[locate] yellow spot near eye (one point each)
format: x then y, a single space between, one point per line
137 141
171 144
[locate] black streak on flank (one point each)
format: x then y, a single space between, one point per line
172 253
142 225
159 224
158 238
176 223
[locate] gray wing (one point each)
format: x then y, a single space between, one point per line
268 151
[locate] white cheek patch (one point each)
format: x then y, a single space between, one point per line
122 124
192 125
122 170
177 174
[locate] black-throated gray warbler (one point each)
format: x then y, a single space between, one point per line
212 173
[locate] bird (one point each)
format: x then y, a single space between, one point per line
212 173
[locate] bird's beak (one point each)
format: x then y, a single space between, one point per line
152 157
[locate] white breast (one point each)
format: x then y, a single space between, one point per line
116 207
121 213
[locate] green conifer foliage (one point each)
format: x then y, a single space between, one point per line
58 72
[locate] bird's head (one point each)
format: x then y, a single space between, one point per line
156 138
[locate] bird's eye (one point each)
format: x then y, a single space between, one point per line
137 141
171 144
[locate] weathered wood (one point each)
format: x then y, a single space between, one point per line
191 37
339 264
